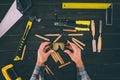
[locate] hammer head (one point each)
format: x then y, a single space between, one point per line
34 18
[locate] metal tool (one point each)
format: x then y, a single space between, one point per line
65 25
15 12
77 44
99 46
81 43
93 35
6 75
24 38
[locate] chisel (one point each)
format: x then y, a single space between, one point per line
21 48
93 35
99 46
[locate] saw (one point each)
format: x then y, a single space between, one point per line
16 11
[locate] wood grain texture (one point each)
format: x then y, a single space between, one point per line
104 66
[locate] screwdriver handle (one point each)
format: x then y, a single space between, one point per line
93 27
99 44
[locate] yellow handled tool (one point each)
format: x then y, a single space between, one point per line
83 22
22 42
6 75
69 26
82 29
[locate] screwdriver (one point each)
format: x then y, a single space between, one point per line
99 47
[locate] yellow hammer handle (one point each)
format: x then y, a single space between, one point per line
82 29
99 43
83 22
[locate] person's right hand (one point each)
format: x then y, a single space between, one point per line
75 54
43 54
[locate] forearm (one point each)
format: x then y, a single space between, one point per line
82 74
38 73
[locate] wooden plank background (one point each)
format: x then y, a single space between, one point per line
103 66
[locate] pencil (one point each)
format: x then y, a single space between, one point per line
53 57
60 58
75 34
69 30
78 41
78 44
49 70
41 37
57 38
51 34
63 65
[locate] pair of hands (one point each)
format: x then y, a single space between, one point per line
75 55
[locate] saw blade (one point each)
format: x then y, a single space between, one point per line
12 16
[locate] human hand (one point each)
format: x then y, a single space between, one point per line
75 54
43 54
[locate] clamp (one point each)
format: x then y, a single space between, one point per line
5 72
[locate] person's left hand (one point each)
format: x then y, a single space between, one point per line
75 54
43 54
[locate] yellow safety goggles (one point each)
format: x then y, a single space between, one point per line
58 45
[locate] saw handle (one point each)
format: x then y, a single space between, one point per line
23 5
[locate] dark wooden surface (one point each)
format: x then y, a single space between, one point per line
100 66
